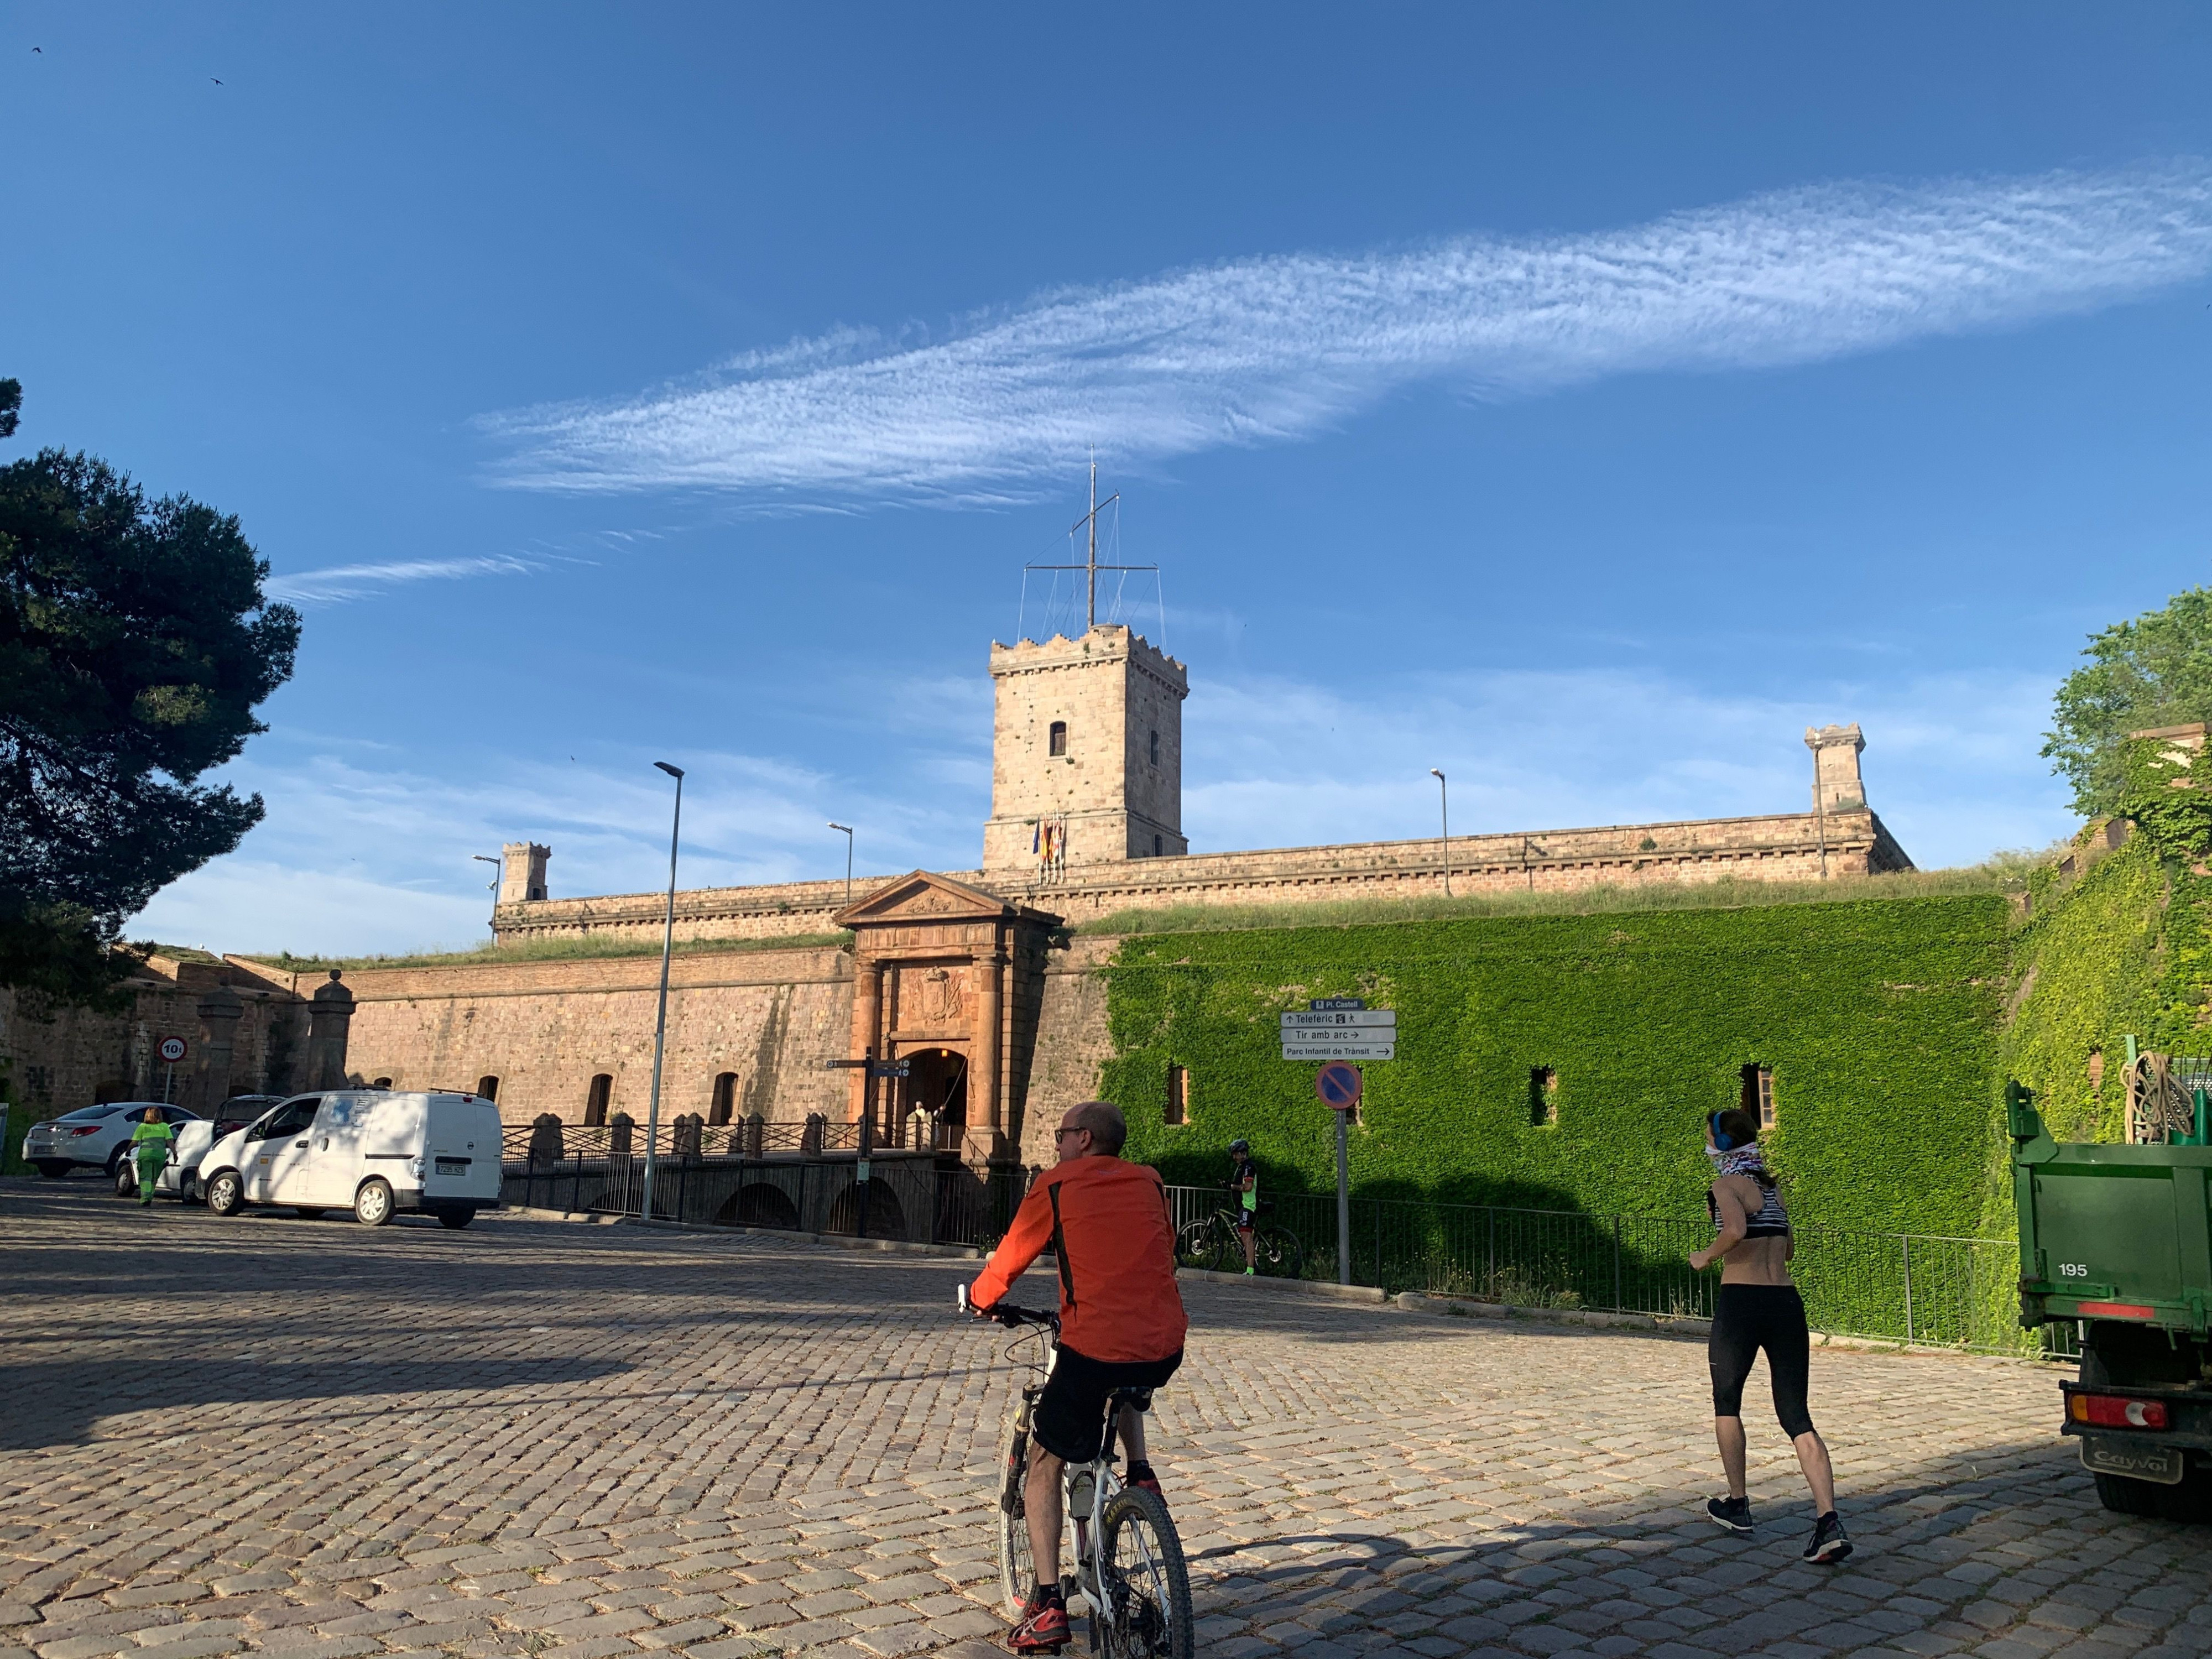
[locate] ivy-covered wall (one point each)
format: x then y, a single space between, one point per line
1879 1019
2119 945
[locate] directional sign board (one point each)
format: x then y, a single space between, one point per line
1340 1028
172 1049
1339 1086
890 1067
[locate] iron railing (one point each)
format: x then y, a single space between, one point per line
1918 1288
1924 1288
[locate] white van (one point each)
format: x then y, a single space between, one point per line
370 1151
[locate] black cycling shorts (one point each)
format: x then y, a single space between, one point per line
1247 1220
1070 1420
1746 1319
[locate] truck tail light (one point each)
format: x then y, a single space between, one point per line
2113 1411
2116 1310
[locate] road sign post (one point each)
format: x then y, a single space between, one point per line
1339 1087
172 1050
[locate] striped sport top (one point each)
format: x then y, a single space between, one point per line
1771 1220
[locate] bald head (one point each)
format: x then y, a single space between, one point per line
1102 1120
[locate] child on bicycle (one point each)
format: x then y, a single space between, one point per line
1244 1196
1122 1326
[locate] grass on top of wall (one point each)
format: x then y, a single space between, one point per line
2002 874
567 948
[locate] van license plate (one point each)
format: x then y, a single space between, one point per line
2163 1464
458 1166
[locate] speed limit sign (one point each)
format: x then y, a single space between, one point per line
172 1049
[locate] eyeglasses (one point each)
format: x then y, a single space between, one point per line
1063 1134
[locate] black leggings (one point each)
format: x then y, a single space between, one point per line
1749 1317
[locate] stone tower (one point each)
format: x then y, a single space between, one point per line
1836 783
522 871
1087 737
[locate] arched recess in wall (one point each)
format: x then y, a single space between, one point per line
726 1095
595 1101
488 1087
886 1215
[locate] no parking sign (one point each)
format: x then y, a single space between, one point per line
1339 1086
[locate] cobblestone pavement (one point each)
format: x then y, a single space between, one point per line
317 1441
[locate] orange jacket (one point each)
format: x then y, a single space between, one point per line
1106 1221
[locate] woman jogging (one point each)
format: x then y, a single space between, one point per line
1759 1308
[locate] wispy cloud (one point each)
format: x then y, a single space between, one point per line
1274 349
342 582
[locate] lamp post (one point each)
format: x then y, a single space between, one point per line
497 870
660 1019
848 828
1443 804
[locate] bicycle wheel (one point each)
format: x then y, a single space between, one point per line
1199 1245
1147 1585
1017 1571
1280 1254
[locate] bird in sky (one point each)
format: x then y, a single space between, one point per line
213 78
41 51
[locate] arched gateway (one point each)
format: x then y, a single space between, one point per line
951 979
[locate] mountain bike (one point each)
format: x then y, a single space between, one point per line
1129 1573
1212 1243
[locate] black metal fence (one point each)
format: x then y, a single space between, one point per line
1918 1288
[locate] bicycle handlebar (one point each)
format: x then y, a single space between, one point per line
1006 1314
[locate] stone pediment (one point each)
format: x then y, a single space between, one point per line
927 896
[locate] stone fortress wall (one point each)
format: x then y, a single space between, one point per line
971 973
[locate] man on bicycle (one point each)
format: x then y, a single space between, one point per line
1121 1325
1244 1198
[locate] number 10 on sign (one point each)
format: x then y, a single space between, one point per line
1339 1087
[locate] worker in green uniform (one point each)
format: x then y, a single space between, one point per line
149 1143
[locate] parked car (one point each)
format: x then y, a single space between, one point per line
370 1151
92 1137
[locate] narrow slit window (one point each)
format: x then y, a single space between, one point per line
488 1088
1758 1097
1159 847
595 1103
1543 1095
1156 749
1178 1105
1057 739
726 1095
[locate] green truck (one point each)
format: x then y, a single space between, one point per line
2117 1240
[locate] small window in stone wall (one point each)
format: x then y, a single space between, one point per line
1159 847
595 1103
1178 1102
488 1088
1156 749
1543 1095
379 1083
1756 1098
726 1095
1056 741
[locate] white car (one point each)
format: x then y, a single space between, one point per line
371 1151
93 1137
179 1176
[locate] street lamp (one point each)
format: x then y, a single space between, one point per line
660 1019
497 869
1443 803
848 828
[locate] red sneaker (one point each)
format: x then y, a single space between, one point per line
1043 1629
1141 1474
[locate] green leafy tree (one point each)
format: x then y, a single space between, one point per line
2154 670
135 644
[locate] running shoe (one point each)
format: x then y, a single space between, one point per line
1829 1543
1043 1625
1731 1514
1141 1474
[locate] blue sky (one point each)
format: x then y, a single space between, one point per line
1583 400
